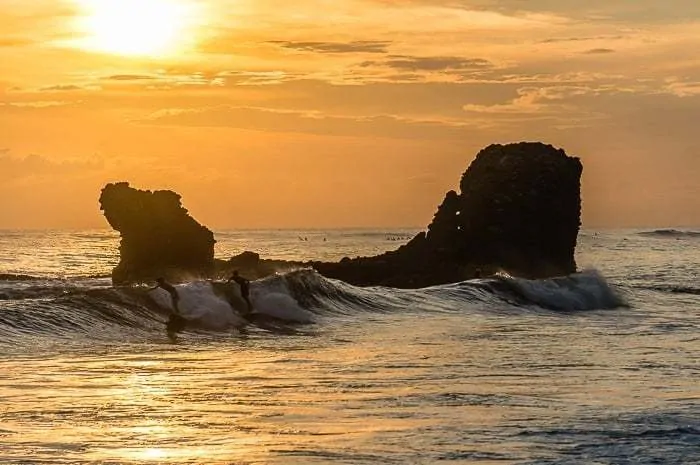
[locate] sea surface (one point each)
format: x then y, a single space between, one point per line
601 367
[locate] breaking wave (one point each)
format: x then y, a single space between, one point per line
65 308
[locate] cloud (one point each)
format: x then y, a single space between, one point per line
681 88
557 104
599 51
357 46
163 80
445 63
129 77
310 122
652 11
415 69
39 104
257 78
15 42
13 168
580 39
64 88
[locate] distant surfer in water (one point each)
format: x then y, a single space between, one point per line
176 322
245 289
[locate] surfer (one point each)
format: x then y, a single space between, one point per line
176 322
245 289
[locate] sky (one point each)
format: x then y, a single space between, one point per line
342 113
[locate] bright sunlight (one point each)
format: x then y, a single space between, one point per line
136 27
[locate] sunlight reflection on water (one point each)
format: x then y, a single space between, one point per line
473 390
461 382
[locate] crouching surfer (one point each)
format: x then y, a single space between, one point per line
176 322
245 290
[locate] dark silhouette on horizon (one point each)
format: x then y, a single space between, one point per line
518 210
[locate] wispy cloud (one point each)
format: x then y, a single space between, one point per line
412 63
64 88
599 51
357 46
15 167
15 42
311 122
580 39
39 104
129 77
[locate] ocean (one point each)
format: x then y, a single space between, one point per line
600 367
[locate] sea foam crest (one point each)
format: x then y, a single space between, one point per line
217 306
587 290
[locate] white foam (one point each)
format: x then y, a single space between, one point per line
273 298
207 309
201 305
587 290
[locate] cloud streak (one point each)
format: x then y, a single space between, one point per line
310 122
357 46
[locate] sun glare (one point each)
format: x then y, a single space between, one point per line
136 27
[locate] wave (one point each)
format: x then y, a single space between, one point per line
17 277
587 290
286 300
670 289
674 233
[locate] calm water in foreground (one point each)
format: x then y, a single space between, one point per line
601 367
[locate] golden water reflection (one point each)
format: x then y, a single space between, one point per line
382 390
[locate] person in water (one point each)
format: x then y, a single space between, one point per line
245 289
176 322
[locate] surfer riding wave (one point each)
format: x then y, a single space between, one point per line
176 322
244 284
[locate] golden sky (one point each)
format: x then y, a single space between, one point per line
331 113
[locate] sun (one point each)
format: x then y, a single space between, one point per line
135 27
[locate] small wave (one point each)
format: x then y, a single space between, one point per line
587 290
35 292
670 233
647 437
17 277
97 313
673 289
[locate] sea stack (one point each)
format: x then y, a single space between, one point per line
518 211
158 236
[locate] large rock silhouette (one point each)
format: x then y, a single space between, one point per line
158 236
518 211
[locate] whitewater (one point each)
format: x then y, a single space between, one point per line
597 367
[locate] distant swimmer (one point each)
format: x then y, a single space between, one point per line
176 322
245 289
477 273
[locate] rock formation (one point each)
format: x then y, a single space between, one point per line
158 236
518 210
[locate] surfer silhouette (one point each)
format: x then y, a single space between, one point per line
176 322
245 289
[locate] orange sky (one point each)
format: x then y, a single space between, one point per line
333 113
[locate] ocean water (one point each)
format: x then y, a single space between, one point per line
600 367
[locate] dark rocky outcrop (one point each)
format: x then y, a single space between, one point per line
518 211
158 236
254 267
